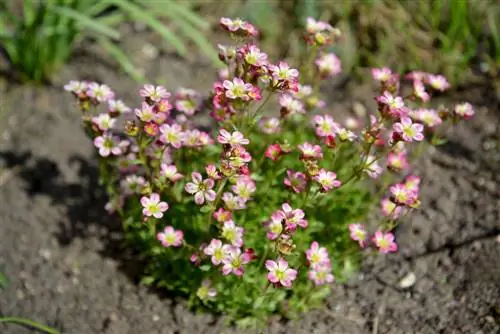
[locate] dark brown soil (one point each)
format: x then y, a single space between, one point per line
62 252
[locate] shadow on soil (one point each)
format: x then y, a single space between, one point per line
84 202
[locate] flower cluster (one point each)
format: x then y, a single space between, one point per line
236 214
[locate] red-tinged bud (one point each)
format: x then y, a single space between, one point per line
151 129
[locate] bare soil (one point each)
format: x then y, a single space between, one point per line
63 257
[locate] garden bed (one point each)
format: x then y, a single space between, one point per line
63 257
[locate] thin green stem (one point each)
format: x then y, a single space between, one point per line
29 323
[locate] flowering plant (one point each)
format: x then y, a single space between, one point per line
258 215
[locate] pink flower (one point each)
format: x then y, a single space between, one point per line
172 134
222 215
78 88
464 110
317 255
206 291
408 130
292 218
429 117
309 151
217 250
234 260
233 233
234 139
412 183
320 33
146 113
395 105
358 233
346 135
253 56
233 202
238 26
170 237
371 167
100 93
390 209
117 107
397 161
325 125
108 144
321 274
270 125
103 121
381 74
274 226
280 273
290 105
402 195
212 172
202 189
153 206
170 172
385 242
284 77
327 180
244 187
296 180
419 91
329 65
154 93
237 89
438 82
273 152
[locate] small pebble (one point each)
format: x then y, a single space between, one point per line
408 281
156 317
45 253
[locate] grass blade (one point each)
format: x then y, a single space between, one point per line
170 8
88 22
141 15
121 58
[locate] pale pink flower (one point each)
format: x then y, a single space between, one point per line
417 75
464 110
321 274
309 151
381 74
202 189
212 172
206 291
78 88
104 122
270 125
273 152
390 209
217 250
244 187
237 89
429 117
320 33
412 182
133 184
280 273
238 26
172 134
317 255
408 130
329 65
170 237
296 180
346 135
402 195
419 91
146 113
222 215
325 125
438 82
100 93
302 92
395 104
233 202
108 145
397 161
291 105
284 77
118 107
274 225
153 206
234 260
358 233
234 139
170 172
327 180
154 93
372 167
385 242
253 56
292 217
233 233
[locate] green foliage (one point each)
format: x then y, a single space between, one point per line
39 36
